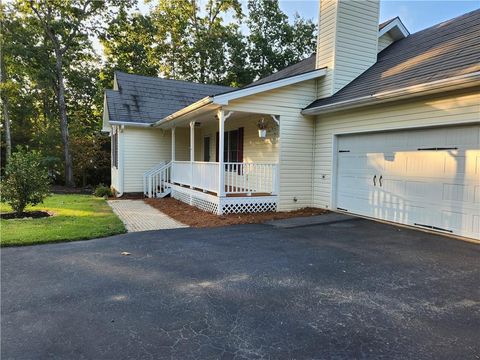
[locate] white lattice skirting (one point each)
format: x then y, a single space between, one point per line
225 205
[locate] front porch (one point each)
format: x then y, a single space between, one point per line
244 177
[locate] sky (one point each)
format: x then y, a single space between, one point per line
415 14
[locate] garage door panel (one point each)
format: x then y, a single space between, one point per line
425 163
437 188
476 194
458 192
455 221
476 224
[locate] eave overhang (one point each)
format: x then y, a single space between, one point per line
454 83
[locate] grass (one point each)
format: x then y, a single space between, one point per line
77 217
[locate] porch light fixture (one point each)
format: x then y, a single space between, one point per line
262 128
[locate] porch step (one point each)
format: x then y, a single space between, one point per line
164 193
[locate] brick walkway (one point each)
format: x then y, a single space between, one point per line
138 216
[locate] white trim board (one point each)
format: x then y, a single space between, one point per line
399 31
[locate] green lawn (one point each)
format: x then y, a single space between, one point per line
76 217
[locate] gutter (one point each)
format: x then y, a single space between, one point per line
127 123
186 110
453 83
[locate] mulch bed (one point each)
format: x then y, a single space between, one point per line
26 215
195 217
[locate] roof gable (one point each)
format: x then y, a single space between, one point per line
145 99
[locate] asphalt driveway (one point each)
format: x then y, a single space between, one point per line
350 289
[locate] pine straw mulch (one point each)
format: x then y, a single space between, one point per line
194 217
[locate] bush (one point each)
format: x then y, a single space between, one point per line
102 191
26 180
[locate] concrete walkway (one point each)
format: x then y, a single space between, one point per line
138 216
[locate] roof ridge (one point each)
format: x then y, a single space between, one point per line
170 80
456 18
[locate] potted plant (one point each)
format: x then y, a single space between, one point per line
262 128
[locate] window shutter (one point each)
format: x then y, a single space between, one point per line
240 150
114 142
216 148
240 145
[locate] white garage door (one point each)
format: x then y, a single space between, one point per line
427 178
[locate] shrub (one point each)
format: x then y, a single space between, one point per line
102 191
26 180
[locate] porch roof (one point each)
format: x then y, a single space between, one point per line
209 103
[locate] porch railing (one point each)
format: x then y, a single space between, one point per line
240 178
251 178
156 180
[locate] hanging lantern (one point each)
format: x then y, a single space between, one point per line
262 128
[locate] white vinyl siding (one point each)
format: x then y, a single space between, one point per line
384 41
326 45
445 110
295 141
356 40
347 42
254 148
144 148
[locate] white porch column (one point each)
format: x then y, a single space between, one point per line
192 151
173 144
221 166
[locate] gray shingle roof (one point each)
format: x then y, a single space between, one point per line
145 99
446 50
299 68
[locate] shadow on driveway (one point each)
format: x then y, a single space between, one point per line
349 289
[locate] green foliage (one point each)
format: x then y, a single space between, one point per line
274 43
76 217
102 191
26 180
201 41
189 40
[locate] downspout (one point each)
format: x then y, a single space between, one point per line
314 164
121 162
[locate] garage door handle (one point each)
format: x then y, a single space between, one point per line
380 180
375 180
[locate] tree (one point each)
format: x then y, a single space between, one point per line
128 45
196 44
274 43
26 180
67 25
4 89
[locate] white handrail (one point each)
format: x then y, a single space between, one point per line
157 180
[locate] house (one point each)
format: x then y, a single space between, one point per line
379 122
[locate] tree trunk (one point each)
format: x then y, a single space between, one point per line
5 110
63 119
8 138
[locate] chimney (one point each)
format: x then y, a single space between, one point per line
347 41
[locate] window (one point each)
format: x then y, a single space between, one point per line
206 148
232 146
115 148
